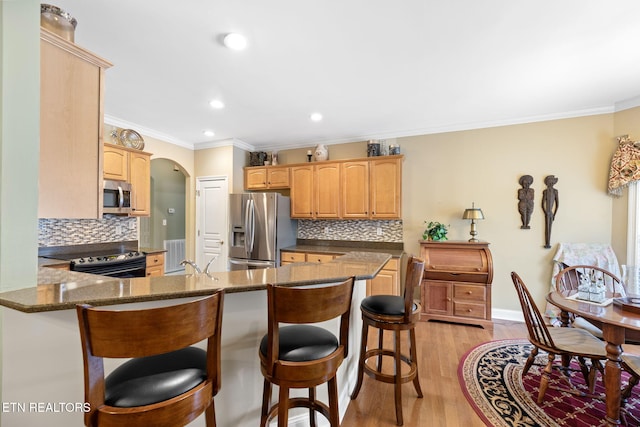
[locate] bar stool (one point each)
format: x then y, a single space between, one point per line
301 355
394 313
167 383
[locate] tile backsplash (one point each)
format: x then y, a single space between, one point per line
65 232
366 231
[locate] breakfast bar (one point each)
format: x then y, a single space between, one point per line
42 381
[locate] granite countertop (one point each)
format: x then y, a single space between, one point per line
62 290
333 247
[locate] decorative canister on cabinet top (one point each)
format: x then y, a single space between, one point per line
321 153
58 21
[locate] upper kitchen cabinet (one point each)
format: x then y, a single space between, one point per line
315 191
265 178
71 117
134 167
372 189
385 188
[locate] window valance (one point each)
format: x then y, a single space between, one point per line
625 165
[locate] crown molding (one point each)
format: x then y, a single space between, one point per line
114 121
628 103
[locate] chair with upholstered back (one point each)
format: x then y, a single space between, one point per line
564 342
395 313
295 353
168 382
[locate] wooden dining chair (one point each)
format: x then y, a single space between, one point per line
564 342
167 382
295 353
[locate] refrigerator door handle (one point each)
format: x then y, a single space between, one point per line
250 226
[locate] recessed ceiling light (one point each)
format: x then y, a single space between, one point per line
208 133
217 104
316 117
235 41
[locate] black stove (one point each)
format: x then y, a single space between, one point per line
105 262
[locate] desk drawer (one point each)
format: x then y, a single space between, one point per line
455 276
468 309
470 292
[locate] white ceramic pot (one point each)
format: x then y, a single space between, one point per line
321 153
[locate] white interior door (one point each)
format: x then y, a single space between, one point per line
212 222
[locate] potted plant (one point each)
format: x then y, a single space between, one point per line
435 231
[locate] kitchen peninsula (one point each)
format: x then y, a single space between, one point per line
43 358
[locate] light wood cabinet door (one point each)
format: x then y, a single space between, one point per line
387 282
302 191
327 190
386 188
140 179
155 265
278 177
355 190
255 178
71 116
116 163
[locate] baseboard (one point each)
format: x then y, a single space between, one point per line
513 315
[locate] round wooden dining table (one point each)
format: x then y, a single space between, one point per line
616 323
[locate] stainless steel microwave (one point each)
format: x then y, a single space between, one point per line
116 197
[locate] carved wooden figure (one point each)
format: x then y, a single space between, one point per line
550 203
525 200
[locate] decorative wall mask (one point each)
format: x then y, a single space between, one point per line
525 200
550 203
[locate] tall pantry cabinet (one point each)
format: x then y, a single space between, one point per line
71 117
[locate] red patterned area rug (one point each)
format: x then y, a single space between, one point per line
491 378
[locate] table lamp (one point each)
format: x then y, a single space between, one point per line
473 214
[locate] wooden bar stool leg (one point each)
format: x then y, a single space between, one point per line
398 377
363 350
283 407
414 360
210 415
266 403
380 340
334 414
312 413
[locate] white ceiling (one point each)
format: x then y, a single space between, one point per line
374 68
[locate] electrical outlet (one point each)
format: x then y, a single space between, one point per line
118 229
326 230
379 231
164 222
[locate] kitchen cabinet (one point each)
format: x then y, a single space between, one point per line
71 117
372 189
155 265
315 191
133 166
387 282
355 190
116 163
287 257
385 188
457 282
265 178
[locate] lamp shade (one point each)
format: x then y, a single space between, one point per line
473 213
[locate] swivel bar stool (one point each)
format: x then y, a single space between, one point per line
168 382
302 355
394 313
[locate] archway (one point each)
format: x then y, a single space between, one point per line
166 226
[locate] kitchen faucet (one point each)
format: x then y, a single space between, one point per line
192 264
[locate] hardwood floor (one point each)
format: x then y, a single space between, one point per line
440 347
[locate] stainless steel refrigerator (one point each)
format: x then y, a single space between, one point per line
260 226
